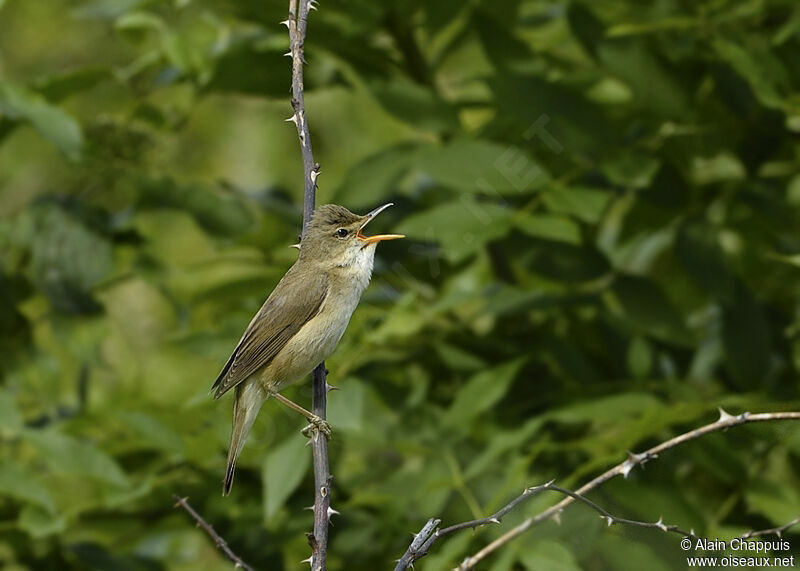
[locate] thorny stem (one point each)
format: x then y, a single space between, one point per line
297 24
430 533
218 540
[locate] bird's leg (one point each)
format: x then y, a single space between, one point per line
314 420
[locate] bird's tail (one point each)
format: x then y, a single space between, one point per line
247 402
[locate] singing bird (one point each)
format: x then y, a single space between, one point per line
302 320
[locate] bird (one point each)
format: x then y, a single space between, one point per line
301 322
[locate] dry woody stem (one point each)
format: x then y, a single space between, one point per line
297 24
431 532
218 540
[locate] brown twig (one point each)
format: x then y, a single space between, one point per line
724 421
430 533
772 531
297 24
218 540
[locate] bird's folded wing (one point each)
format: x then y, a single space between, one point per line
286 310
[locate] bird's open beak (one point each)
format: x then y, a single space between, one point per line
378 237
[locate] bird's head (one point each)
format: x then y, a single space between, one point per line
335 237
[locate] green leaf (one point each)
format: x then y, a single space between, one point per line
373 179
481 393
217 211
10 419
347 413
415 104
20 484
550 227
460 227
745 337
62 85
654 86
68 259
474 165
282 471
458 359
648 310
152 432
608 408
697 248
586 204
640 357
67 455
40 523
19 104
548 554
755 61
631 170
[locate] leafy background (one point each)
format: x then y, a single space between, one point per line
602 202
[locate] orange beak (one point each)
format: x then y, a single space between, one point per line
378 237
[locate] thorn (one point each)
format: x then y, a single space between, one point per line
724 416
312 5
557 517
314 174
295 246
632 461
292 119
288 54
332 512
609 519
309 508
550 483
691 532
494 520
285 23
660 524
330 388
310 561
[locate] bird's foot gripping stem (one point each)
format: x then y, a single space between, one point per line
315 422
319 424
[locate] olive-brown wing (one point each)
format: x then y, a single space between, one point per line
291 305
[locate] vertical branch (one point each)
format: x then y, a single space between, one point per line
297 24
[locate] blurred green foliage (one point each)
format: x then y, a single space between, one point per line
603 208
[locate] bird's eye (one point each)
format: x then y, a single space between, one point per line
341 232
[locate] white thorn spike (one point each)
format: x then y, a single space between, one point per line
609 519
330 388
724 416
661 525
292 119
310 561
285 23
557 518
288 54
627 466
494 520
295 246
332 512
314 174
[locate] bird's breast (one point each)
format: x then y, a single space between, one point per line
315 341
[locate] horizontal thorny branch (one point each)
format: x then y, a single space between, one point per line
431 531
